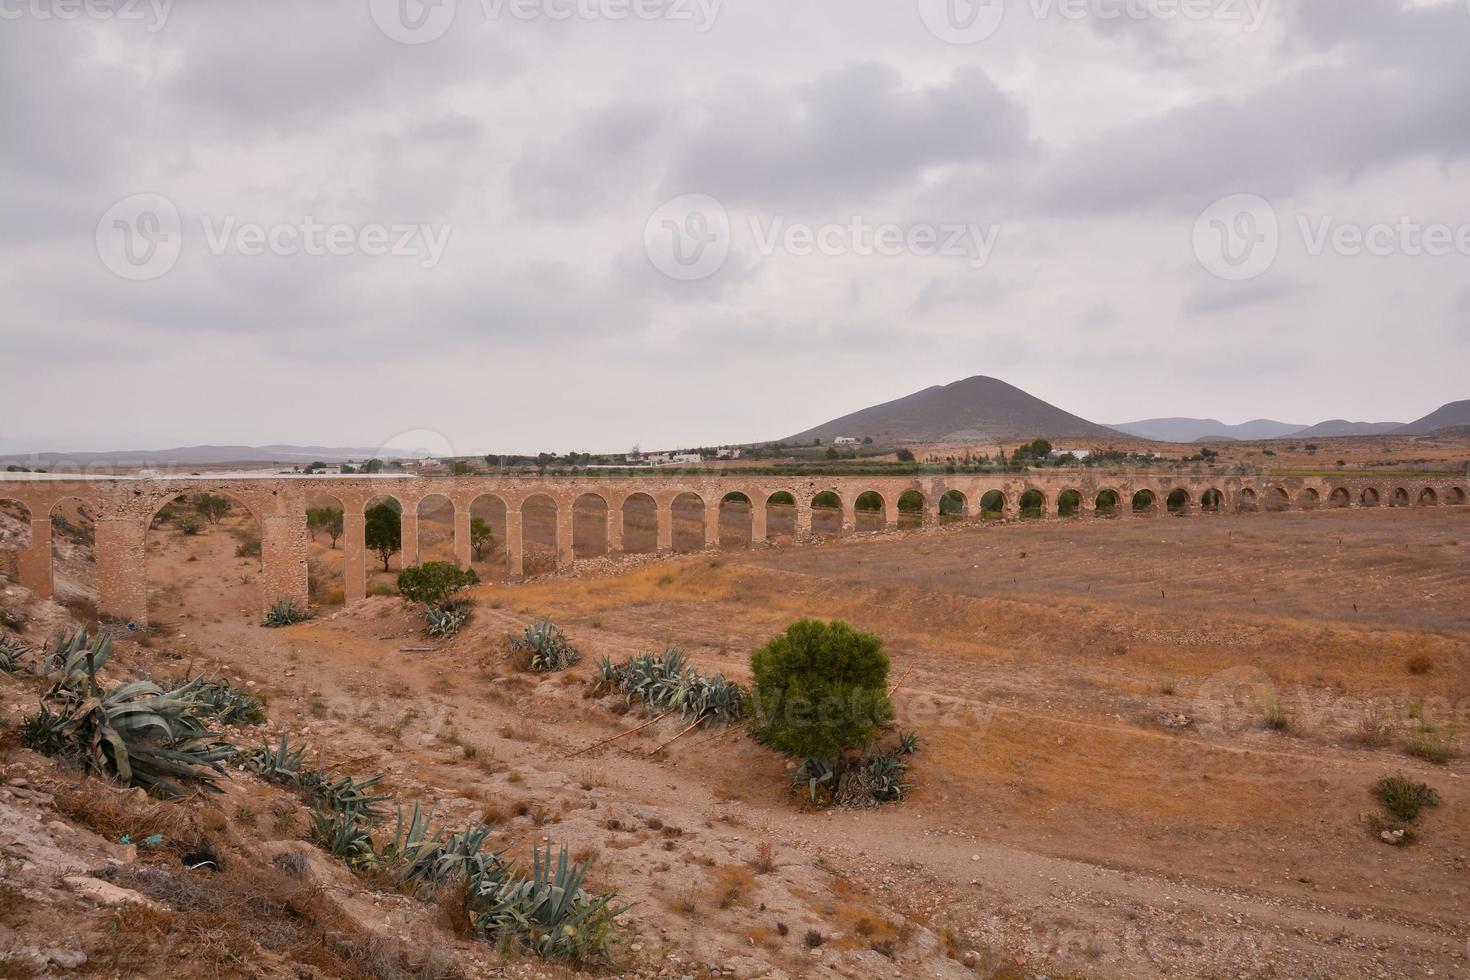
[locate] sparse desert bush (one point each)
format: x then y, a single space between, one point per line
1375 728
545 647
248 547
285 613
434 583
820 689
764 861
1404 798
1431 743
1273 714
1419 663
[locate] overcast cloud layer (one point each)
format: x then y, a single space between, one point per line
519 157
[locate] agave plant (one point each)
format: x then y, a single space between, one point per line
226 703
283 764
547 645
429 859
73 657
548 912
11 653
668 680
820 777
908 743
885 776
342 835
339 794
285 613
446 622
136 732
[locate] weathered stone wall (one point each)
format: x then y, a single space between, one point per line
125 507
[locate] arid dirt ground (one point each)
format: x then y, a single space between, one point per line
1096 791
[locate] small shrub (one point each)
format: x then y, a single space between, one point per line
1274 715
435 583
820 688
1403 797
813 939
1431 743
248 548
1419 663
1375 728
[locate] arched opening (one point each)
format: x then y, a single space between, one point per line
640 524
953 506
382 525
827 514
15 537
735 520
1069 503
1106 503
436 529
1212 501
1428 498
1400 498
488 556
1178 501
993 506
910 510
203 561
1340 498
1277 500
1308 499
1370 498
688 522
589 526
1144 502
868 511
326 574
1033 504
780 516
1456 497
538 534
1245 500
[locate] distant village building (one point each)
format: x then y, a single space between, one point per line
1075 453
845 441
727 454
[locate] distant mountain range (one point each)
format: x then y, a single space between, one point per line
1196 430
202 456
975 409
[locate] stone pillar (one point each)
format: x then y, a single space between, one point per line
757 522
712 525
354 557
122 591
283 560
803 518
462 550
34 563
931 511
890 513
614 529
665 526
1086 508
1125 504
409 533
564 553
513 548
849 515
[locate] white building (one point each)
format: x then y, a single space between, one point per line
845 441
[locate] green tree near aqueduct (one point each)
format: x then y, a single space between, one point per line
481 536
325 519
211 507
820 689
383 532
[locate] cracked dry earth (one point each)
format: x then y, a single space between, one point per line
1095 792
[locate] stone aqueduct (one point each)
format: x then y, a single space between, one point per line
123 508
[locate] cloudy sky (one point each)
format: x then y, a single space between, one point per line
580 224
